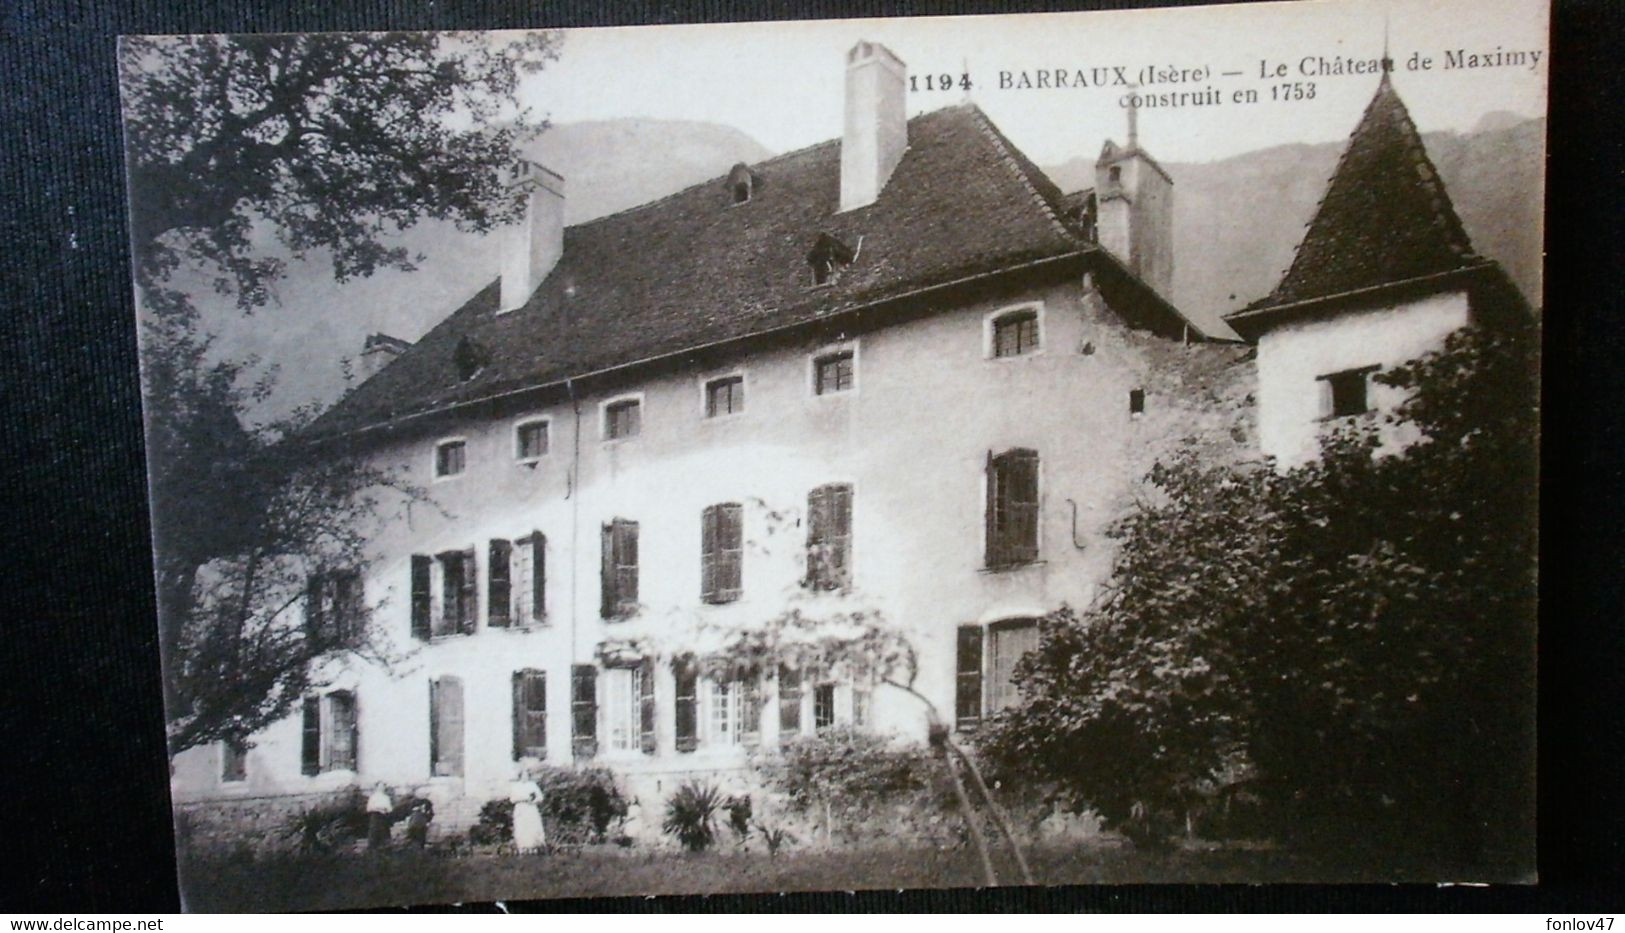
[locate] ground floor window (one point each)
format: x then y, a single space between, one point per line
986 663
623 692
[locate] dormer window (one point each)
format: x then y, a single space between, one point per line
468 358
1115 174
742 183
828 257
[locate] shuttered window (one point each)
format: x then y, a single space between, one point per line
459 601
968 680
1012 509
648 719
722 713
1006 643
446 727
823 706
529 714
422 596
584 710
687 677
528 584
750 711
623 419
829 537
233 761
789 702
498 589
721 552
334 608
341 736
619 574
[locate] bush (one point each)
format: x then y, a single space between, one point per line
578 805
851 782
329 826
691 815
495 825
738 810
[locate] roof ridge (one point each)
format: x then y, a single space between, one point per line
1009 156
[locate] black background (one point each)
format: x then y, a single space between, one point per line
84 812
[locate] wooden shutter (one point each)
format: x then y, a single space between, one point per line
1012 508
648 738
789 702
351 606
687 704
968 679
434 727
750 711
829 536
498 603
840 514
584 710
310 747
626 565
521 709
468 594
817 537
607 599
529 714
446 699
315 624
538 576
422 568
708 553
730 551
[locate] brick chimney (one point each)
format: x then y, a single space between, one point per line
876 131
533 245
377 351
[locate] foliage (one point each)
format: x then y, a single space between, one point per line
738 809
851 769
691 815
326 141
495 823
858 644
579 805
1353 636
774 837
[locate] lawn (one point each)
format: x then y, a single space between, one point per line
327 882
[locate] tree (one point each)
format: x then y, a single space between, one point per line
244 151
1357 632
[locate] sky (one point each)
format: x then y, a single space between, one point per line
781 82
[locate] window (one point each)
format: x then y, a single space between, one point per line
833 372
469 358
329 737
742 183
789 702
450 457
334 607
530 441
721 552
1136 401
686 675
1012 509
622 419
725 396
741 192
862 707
829 537
1345 393
623 707
516 591
584 710
1115 174
823 707
1015 333
722 714
446 727
529 714
233 761
648 718
619 573
986 664
458 599
750 711
828 257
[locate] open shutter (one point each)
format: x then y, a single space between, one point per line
434 727
647 725
817 537
315 624
584 710
521 710
606 574
993 555
538 576
687 704
498 599
840 514
708 554
726 573
968 680
789 702
626 565
422 569
310 747
468 594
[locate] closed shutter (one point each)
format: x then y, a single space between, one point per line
520 709
708 554
584 710
829 536
422 600
351 606
538 576
315 624
840 509
626 565
1012 508
468 594
789 702
498 597
446 698
968 680
529 714
310 746
648 722
730 552
687 704
607 599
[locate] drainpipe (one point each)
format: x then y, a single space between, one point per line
572 490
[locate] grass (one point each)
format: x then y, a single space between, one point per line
350 880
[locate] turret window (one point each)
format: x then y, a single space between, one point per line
1346 393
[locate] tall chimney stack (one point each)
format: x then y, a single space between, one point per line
876 132
536 243
377 352
1134 213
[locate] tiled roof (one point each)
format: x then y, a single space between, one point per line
1385 217
693 269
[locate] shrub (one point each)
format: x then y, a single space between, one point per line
578 805
328 826
858 780
691 815
495 825
738 810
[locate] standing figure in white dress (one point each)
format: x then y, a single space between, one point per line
528 834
